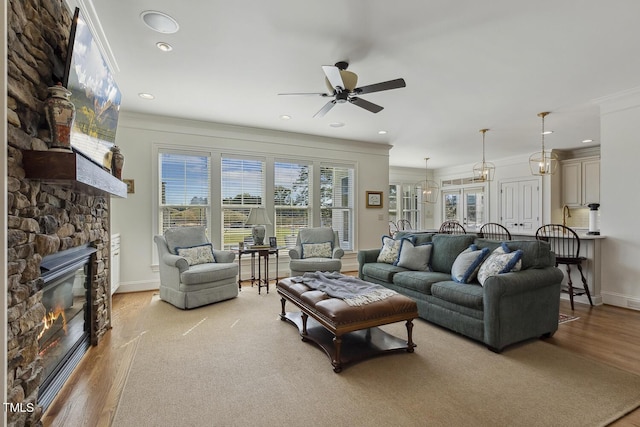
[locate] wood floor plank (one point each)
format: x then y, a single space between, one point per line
90 397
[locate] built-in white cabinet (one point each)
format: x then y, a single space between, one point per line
520 204
581 181
115 263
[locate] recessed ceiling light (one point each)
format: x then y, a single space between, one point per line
336 124
382 132
586 141
285 117
547 132
164 46
160 22
144 95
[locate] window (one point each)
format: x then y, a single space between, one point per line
404 204
466 205
184 190
291 196
242 188
336 202
393 203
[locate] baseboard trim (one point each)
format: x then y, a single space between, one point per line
620 300
137 287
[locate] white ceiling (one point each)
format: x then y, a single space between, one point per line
468 65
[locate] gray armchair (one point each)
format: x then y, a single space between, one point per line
317 249
189 286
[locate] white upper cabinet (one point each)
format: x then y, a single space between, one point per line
581 181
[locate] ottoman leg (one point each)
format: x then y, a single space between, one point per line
283 314
410 344
337 364
304 326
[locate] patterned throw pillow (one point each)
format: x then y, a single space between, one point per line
390 250
466 266
201 254
414 257
500 261
317 250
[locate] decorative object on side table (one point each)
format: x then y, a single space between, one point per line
273 242
60 114
131 185
117 161
374 199
258 218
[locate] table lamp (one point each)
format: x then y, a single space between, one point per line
258 218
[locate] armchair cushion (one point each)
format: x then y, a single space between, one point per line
184 237
317 250
200 254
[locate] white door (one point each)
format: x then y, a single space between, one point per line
465 205
520 205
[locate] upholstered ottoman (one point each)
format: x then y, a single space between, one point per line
345 332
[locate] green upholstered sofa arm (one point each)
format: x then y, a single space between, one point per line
366 256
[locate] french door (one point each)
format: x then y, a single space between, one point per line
465 205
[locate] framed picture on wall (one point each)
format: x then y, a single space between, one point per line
374 199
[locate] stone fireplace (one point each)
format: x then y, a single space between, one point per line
52 212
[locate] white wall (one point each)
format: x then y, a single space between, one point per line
620 203
137 135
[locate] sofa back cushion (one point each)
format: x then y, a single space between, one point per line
417 238
535 253
446 248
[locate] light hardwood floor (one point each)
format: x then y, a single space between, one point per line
90 396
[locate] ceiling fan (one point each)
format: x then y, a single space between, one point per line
343 83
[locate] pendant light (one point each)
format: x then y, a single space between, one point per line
543 162
428 188
483 171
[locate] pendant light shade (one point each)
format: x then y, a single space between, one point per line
483 171
543 162
428 189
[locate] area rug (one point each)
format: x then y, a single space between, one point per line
235 363
564 318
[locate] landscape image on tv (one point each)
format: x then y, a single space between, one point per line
95 95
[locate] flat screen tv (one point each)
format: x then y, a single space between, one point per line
94 93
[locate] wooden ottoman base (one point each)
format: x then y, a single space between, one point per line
347 334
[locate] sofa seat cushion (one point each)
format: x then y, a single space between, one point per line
466 295
381 271
419 281
207 273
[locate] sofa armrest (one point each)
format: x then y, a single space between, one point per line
175 261
222 256
521 305
366 256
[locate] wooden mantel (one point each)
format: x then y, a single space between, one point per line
72 169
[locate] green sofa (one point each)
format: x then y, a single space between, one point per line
508 308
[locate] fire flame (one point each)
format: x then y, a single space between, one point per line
50 318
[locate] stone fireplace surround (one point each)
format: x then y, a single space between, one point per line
43 217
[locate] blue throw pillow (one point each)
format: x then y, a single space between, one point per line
466 266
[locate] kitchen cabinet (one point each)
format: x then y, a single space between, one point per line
520 204
581 181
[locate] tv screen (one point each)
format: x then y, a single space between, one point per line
94 93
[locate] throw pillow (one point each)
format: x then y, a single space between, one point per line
414 257
317 250
194 255
467 263
500 262
390 250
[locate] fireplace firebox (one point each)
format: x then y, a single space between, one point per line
65 336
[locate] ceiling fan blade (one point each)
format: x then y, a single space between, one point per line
370 106
324 110
333 75
391 84
306 93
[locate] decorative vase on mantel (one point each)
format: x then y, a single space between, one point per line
60 113
117 161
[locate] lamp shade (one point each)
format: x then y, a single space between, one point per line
258 216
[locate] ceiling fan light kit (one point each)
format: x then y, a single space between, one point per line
342 84
543 162
483 171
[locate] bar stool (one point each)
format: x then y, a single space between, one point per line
566 245
494 231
